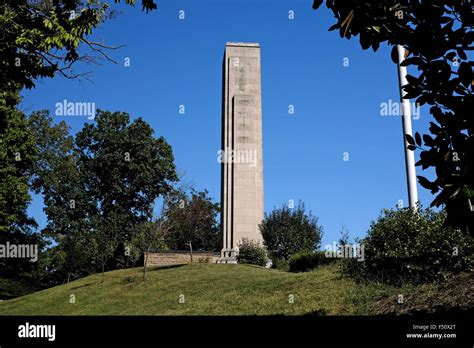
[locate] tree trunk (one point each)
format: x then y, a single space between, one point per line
145 263
191 252
103 268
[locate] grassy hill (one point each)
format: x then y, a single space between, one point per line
208 289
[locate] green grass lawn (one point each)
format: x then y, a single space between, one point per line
208 289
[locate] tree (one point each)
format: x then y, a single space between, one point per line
437 35
191 220
38 39
99 187
344 236
286 231
42 38
17 157
150 237
343 244
58 178
125 169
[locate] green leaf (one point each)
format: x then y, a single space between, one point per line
434 128
422 99
394 54
376 28
316 4
468 193
465 73
47 23
450 56
454 193
412 61
461 54
418 139
426 183
412 79
413 93
438 115
428 140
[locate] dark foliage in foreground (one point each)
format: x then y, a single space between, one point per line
405 246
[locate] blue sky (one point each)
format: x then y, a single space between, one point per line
177 62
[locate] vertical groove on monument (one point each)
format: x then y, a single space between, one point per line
242 165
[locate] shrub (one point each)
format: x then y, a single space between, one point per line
287 231
280 264
10 288
406 246
308 260
204 260
252 253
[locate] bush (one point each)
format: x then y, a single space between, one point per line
308 260
416 247
287 231
10 288
280 264
252 253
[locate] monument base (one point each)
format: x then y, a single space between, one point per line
228 256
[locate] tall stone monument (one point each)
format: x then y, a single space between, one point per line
242 166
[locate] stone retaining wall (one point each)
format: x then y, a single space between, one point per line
180 257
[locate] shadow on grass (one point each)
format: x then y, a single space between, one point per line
138 279
251 266
160 268
81 286
319 312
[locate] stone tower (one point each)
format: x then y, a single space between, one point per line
241 153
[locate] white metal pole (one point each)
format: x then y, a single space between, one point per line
406 122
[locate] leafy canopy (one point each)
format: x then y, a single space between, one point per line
43 37
438 36
191 217
287 231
